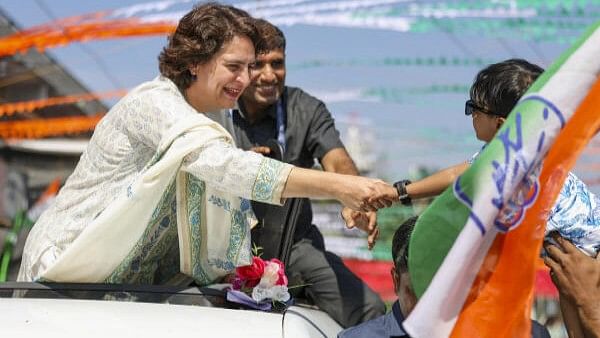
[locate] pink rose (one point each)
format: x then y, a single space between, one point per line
282 280
251 274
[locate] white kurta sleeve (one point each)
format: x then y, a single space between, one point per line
243 173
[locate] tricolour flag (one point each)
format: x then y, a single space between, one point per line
474 251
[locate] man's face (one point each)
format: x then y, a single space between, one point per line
267 79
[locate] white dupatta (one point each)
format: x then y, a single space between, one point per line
133 239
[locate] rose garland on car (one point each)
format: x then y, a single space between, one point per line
260 284
263 280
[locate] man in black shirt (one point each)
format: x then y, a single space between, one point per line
305 131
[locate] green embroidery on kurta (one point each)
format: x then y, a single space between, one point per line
141 264
195 190
155 257
266 180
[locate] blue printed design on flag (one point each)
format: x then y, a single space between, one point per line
519 169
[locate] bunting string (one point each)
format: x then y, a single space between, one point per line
8 109
39 128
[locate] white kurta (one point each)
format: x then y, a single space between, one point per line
152 135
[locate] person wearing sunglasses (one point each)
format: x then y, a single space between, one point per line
495 91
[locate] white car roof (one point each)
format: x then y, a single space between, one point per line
70 318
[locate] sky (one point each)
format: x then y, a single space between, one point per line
399 70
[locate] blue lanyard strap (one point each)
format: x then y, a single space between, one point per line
281 123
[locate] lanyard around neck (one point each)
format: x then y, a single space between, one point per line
280 122
281 115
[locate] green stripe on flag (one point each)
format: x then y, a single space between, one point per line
432 238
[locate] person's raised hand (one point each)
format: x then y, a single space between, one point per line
366 221
577 277
575 274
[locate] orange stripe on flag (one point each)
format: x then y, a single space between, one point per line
499 304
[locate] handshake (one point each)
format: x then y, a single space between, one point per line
362 197
366 194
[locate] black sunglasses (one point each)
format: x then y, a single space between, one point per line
471 107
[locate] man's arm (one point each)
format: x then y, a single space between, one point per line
338 160
570 317
323 141
577 277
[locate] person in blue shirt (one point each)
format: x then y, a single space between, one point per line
390 324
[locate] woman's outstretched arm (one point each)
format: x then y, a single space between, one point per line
355 192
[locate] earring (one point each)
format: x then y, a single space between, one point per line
194 77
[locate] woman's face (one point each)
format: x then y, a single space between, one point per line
221 81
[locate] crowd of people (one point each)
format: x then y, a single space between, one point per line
161 194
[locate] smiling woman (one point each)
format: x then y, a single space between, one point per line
227 77
161 189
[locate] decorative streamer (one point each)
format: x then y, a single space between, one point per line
58 34
39 128
337 6
440 61
387 94
557 23
8 109
390 94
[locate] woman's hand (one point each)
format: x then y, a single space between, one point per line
355 192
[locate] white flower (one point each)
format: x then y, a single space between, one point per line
260 293
280 293
270 275
277 293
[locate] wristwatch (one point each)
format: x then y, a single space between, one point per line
402 193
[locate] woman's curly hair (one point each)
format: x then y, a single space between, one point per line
200 35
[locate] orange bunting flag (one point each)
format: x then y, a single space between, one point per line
39 128
8 109
65 31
